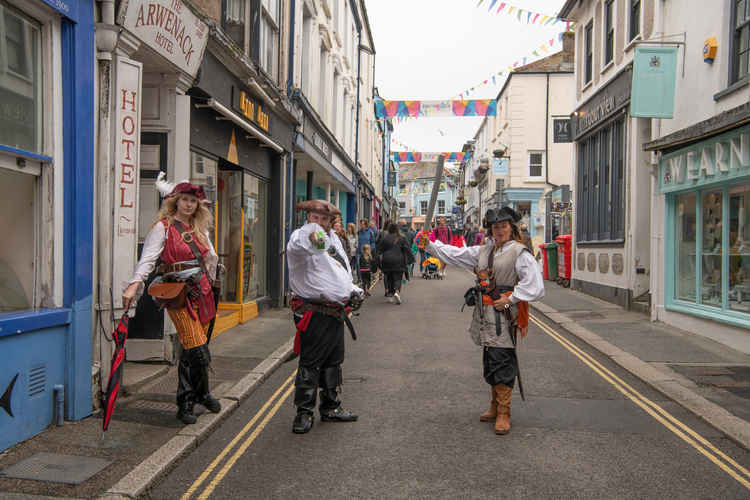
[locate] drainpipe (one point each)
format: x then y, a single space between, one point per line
546 140
356 130
290 72
106 40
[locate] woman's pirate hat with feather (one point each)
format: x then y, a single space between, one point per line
169 189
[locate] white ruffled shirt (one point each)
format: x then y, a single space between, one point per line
531 284
313 273
153 246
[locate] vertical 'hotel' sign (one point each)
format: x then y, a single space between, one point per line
126 101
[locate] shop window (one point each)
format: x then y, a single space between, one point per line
536 163
685 235
601 185
740 40
20 81
255 239
423 207
711 221
204 172
269 38
229 231
609 31
402 205
18 209
441 207
233 20
739 251
499 185
635 18
588 42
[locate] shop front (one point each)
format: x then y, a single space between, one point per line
238 148
46 192
706 251
322 169
611 226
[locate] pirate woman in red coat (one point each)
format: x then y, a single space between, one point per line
179 244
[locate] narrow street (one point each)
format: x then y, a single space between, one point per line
414 377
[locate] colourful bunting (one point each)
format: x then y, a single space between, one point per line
530 18
401 109
409 156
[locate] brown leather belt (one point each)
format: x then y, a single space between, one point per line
174 268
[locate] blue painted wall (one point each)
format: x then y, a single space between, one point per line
49 347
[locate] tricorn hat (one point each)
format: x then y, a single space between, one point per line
168 189
494 215
321 207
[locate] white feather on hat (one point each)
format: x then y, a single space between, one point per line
164 186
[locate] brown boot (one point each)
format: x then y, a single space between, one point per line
491 413
502 396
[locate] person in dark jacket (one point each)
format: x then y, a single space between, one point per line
364 237
394 254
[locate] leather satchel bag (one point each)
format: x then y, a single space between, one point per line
171 295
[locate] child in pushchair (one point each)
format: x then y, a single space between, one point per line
431 268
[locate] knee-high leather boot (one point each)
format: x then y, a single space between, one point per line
305 394
330 406
502 396
491 413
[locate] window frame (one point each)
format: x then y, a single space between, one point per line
608 25
633 5
601 206
441 211
47 295
540 165
734 44
588 49
267 20
423 207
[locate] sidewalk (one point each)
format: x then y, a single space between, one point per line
708 378
144 437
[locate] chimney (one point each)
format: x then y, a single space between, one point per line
569 46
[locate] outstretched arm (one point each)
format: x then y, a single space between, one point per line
465 257
300 244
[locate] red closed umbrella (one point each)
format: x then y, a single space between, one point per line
115 374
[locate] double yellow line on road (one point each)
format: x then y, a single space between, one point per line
287 387
704 447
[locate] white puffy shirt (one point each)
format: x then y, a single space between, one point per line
531 284
313 274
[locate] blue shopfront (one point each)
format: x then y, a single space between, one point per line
46 205
526 202
707 232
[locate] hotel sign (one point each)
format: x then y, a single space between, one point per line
721 158
170 28
126 101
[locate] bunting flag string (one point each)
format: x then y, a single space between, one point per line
446 107
409 156
525 15
401 144
540 51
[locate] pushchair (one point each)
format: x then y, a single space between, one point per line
431 269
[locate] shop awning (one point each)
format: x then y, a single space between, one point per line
234 117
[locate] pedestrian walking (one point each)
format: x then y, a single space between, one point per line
443 234
508 276
526 238
469 233
366 264
394 256
338 228
479 237
351 236
323 296
179 243
364 237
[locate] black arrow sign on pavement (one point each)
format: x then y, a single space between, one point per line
5 400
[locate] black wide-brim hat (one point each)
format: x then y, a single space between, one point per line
494 215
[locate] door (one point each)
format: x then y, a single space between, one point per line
148 322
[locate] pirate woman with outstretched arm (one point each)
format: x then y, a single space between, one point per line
514 278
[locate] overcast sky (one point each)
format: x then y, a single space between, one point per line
436 49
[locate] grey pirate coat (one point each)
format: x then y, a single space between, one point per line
482 328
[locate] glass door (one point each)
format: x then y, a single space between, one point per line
229 233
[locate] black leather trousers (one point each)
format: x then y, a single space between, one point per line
321 356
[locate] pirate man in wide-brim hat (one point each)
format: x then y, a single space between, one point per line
323 293
508 275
